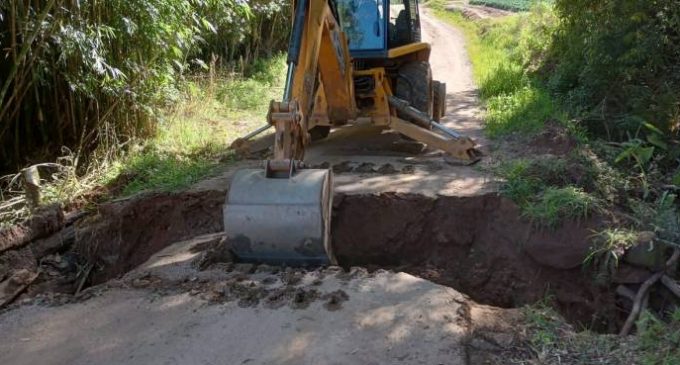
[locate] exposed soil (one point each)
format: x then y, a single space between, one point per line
478 245
123 235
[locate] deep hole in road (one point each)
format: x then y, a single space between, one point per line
478 245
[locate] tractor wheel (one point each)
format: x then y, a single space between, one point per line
414 84
438 100
319 132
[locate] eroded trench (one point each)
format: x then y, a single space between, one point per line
478 245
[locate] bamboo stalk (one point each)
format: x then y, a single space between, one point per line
25 47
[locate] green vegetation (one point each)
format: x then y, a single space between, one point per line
98 75
545 191
625 73
128 96
514 5
530 74
190 143
556 204
195 137
502 50
660 341
553 341
606 73
609 246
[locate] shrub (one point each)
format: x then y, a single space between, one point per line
616 63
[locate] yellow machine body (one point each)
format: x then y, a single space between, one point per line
281 214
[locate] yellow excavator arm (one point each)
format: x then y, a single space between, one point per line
281 214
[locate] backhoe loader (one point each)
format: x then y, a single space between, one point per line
348 61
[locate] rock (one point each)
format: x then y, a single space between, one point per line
344 166
335 299
21 277
408 169
649 255
13 260
264 269
140 283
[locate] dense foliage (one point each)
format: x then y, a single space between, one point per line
616 64
91 73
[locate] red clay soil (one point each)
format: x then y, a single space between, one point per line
123 235
479 246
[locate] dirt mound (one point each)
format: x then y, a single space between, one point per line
553 139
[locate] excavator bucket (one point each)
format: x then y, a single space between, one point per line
280 221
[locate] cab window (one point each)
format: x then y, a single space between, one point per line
399 26
363 21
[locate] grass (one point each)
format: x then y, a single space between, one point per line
195 135
608 247
191 141
544 191
557 204
503 52
500 50
659 341
519 185
555 342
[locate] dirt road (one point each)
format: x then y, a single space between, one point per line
170 312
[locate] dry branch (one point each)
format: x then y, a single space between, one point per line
671 284
642 294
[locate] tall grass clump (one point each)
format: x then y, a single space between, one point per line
193 137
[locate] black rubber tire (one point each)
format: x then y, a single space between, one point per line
414 85
319 132
438 100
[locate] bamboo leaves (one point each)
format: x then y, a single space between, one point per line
76 73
